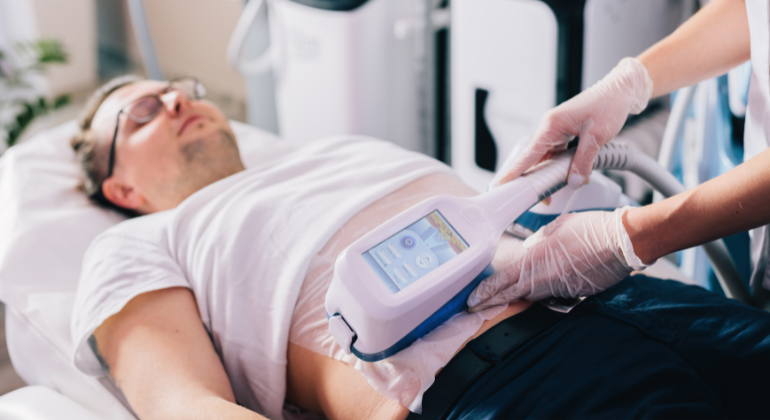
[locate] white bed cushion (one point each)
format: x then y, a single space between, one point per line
46 224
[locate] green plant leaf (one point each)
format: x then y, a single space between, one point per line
43 52
41 106
22 121
50 51
3 66
38 54
60 101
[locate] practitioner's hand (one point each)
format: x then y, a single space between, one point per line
578 254
596 115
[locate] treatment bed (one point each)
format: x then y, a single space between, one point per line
46 225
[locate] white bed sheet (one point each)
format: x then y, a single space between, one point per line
46 224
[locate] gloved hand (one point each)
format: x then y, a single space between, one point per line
596 115
578 254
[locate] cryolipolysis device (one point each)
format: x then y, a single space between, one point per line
412 273
409 275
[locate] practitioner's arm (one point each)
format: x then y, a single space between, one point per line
584 253
713 41
709 44
728 204
159 355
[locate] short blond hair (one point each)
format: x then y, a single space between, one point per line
92 156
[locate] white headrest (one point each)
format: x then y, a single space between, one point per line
46 222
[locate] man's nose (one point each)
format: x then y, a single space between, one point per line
174 101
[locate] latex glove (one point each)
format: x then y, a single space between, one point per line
578 254
596 115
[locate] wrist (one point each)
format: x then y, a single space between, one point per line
639 83
627 248
643 248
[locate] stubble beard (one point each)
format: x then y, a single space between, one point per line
205 161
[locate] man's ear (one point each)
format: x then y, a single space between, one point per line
121 194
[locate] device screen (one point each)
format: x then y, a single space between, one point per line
414 252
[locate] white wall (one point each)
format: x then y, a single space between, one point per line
71 22
17 21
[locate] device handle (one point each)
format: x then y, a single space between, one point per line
507 202
551 175
238 40
502 205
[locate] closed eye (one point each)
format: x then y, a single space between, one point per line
132 125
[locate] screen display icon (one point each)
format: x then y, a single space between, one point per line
414 252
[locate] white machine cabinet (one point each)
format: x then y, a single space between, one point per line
512 60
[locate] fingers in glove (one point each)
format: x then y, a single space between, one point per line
587 149
555 132
518 148
526 160
497 289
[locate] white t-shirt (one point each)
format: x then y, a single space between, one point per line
243 246
405 376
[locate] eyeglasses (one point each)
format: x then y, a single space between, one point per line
144 109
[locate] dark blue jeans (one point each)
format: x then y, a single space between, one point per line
645 348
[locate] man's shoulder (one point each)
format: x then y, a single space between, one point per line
149 229
130 253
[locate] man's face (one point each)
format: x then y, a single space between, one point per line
186 146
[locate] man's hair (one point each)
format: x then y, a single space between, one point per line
92 156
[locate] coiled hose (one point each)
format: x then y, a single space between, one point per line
551 176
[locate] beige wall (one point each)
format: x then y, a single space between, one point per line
73 22
190 38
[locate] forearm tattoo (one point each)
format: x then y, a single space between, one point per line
95 349
105 367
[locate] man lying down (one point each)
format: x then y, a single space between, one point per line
211 304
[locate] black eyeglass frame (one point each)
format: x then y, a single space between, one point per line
198 92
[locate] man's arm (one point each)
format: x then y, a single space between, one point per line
709 44
159 355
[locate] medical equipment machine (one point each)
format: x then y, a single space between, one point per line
409 275
345 67
513 60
